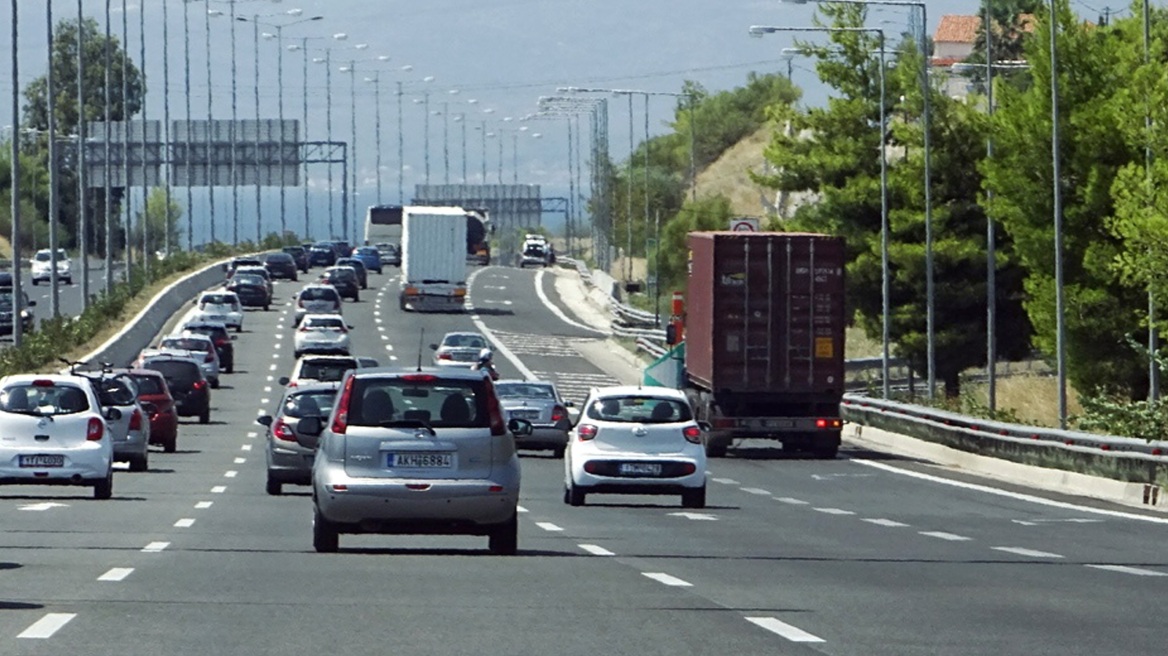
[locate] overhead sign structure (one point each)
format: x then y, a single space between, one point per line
744 225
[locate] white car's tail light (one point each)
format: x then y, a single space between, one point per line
95 429
692 434
586 432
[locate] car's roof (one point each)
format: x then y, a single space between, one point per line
56 378
520 381
635 390
464 333
173 356
457 373
313 386
202 323
182 336
216 293
137 371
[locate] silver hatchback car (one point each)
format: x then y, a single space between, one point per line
424 451
289 452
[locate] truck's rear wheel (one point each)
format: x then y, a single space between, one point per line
716 446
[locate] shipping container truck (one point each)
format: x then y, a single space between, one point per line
434 269
764 338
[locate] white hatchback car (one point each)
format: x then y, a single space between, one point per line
321 333
42 266
636 440
220 306
54 433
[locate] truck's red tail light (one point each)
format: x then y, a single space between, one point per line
692 434
95 429
827 423
341 421
586 432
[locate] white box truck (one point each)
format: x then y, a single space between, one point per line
434 266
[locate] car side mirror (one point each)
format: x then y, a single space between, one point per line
516 426
433 347
348 326
283 380
569 404
112 414
705 426
30 303
264 420
312 426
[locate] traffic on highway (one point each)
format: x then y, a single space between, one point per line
562 509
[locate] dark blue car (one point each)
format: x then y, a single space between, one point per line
369 256
322 254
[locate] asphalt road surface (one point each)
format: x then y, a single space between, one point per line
864 555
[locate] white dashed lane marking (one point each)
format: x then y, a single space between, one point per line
666 579
596 550
219 489
46 626
792 501
246 447
548 526
1029 553
240 461
203 505
184 523
116 574
520 509
834 511
941 535
792 633
1124 569
231 473
755 490
885 522
155 547
725 481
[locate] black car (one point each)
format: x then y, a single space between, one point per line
299 255
217 331
322 254
26 316
344 280
281 265
358 266
251 290
342 248
188 385
390 254
241 262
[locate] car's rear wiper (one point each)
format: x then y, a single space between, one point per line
409 423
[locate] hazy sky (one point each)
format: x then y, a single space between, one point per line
503 54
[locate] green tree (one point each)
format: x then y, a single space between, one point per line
711 213
157 224
68 113
1101 309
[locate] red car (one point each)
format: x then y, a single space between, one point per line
156 400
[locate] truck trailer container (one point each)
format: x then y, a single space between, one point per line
433 259
764 338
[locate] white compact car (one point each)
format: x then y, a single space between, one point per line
42 266
460 349
636 440
52 432
220 306
321 333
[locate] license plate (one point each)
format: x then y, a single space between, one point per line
421 460
42 460
525 414
640 469
217 317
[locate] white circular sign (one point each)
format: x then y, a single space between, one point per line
744 225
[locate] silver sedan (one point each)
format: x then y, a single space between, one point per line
541 404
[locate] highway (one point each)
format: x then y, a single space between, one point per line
866 555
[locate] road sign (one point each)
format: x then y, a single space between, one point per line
744 225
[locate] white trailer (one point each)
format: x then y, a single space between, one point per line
434 269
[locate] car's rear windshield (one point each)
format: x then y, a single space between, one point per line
324 322
639 409
116 391
428 399
214 332
326 370
43 399
177 373
248 280
465 341
186 344
318 403
149 384
318 294
279 257
219 299
524 391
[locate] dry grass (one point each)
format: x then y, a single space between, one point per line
1033 398
728 175
5 249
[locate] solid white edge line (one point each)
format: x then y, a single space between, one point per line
46 626
1029 498
792 633
1029 553
500 347
116 574
539 275
666 579
596 550
1124 569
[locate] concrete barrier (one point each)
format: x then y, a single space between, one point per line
123 348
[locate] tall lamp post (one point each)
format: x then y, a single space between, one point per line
17 331
1056 191
926 89
885 278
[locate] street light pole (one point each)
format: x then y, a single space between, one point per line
50 93
126 198
107 188
991 237
82 164
1153 333
17 329
1060 320
186 139
145 222
166 147
401 162
210 125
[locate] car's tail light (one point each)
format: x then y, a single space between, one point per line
692 434
559 412
95 429
341 420
199 385
688 468
221 342
136 420
42 382
300 303
592 467
342 329
446 355
282 431
304 328
586 432
210 357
